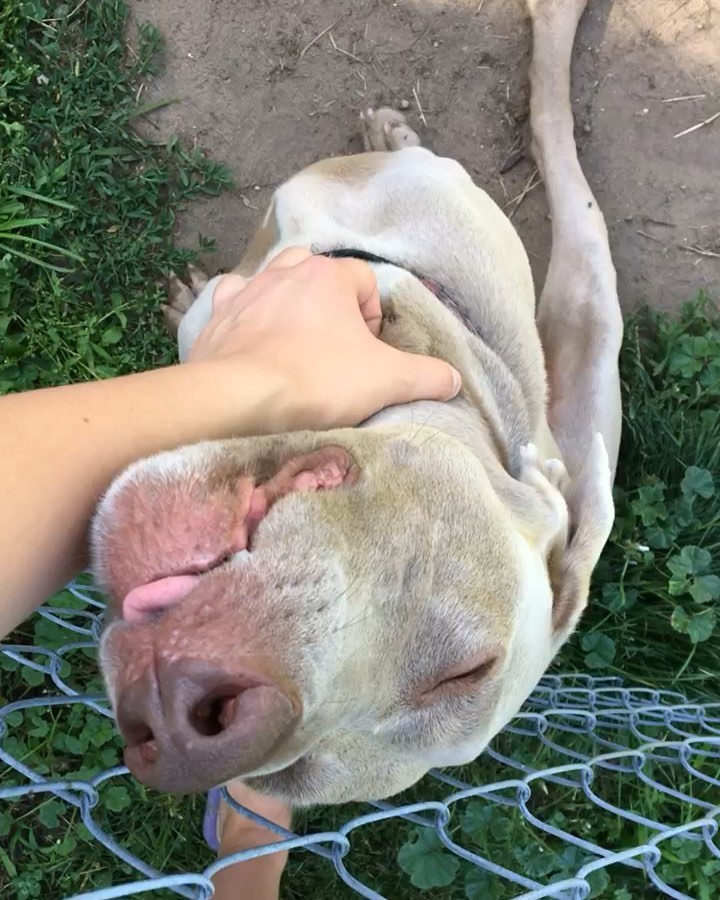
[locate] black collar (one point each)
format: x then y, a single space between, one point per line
358 254
433 286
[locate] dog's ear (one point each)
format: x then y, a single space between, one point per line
591 513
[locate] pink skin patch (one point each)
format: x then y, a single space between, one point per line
325 469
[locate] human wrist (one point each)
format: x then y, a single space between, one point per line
250 396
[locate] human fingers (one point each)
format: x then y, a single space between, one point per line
362 282
416 377
291 256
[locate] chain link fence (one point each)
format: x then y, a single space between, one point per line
594 784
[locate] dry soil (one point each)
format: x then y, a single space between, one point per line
268 87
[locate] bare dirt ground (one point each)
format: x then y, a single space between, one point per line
268 86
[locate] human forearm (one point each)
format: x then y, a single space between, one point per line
60 448
295 347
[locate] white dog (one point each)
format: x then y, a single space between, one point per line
343 610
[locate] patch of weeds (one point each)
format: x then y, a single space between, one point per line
87 207
656 593
652 619
87 212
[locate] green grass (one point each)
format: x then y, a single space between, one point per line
87 211
77 183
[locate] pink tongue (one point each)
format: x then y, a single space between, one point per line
156 595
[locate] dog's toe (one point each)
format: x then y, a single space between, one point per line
180 296
198 279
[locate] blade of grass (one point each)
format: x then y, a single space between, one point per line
38 243
51 201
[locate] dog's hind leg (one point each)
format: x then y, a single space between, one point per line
386 129
578 315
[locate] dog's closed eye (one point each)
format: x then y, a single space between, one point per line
459 678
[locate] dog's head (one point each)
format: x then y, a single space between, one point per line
327 616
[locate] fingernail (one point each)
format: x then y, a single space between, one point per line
456 385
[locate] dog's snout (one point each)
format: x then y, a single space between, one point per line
193 726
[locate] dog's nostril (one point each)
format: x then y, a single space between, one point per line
214 713
137 733
148 752
198 725
140 736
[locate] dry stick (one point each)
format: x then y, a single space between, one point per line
699 125
701 251
340 49
650 237
529 185
686 97
420 109
480 6
316 39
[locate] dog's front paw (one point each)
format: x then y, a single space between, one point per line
181 296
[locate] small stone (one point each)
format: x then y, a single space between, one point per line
587 128
404 104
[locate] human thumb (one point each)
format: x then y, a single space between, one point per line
425 378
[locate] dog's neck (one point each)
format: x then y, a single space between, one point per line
457 418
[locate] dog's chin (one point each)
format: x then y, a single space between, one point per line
312 782
305 782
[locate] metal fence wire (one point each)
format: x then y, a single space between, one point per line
643 761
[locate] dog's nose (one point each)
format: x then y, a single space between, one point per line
194 726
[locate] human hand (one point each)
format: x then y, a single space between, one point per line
258 877
315 321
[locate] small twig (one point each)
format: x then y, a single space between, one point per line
69 15
417 40
649 219
77 9
685 97
699 125
502 185
479 8
650 237
420 109
529 185
513 156
340 49
320 112
701 251
315 40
